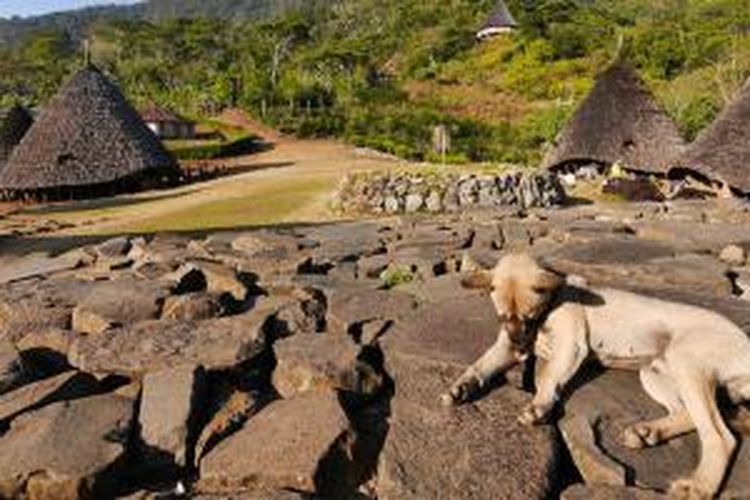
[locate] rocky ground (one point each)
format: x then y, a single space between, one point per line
308 362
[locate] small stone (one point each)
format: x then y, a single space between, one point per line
392 205
434 202
734 255
414 203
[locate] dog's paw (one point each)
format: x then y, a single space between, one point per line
460 392
640 435
532 415
688 489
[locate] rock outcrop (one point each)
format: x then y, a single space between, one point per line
308 362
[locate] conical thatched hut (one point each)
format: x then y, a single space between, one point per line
88 141
619 122
499 22
14 123
722 152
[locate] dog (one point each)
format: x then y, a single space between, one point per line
683 353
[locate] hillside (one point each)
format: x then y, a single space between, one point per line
75 23
383 73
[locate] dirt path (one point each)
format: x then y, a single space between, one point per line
293 182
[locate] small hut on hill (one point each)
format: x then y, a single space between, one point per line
167 124
500 21
14 123
619 122
88 141
722 151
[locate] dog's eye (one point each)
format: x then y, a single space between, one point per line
539 290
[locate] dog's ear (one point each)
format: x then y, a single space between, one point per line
477 279
548 279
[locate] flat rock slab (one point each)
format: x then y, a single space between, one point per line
314 362
302 443
348 241
37 305
614 400
63 450
472 451
444 289
35 265
351 306
684 272
605 492
66 386
170 409
118 303
455 331
153 345
623 250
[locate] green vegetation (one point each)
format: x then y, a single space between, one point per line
222 141
384 73
394 276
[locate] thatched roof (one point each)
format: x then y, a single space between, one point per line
618 122
722 151
499 21
87 135
157 114
14 123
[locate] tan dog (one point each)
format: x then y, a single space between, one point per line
684 355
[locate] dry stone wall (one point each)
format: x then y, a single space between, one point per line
395 193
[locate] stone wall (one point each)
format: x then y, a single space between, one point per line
394 193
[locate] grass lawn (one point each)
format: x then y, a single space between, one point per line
267 204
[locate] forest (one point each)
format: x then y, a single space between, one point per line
384 73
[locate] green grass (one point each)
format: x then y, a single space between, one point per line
272 204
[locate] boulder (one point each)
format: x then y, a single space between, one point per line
170 409
302 444
221 279
117 303
317 362
65 450
191 307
